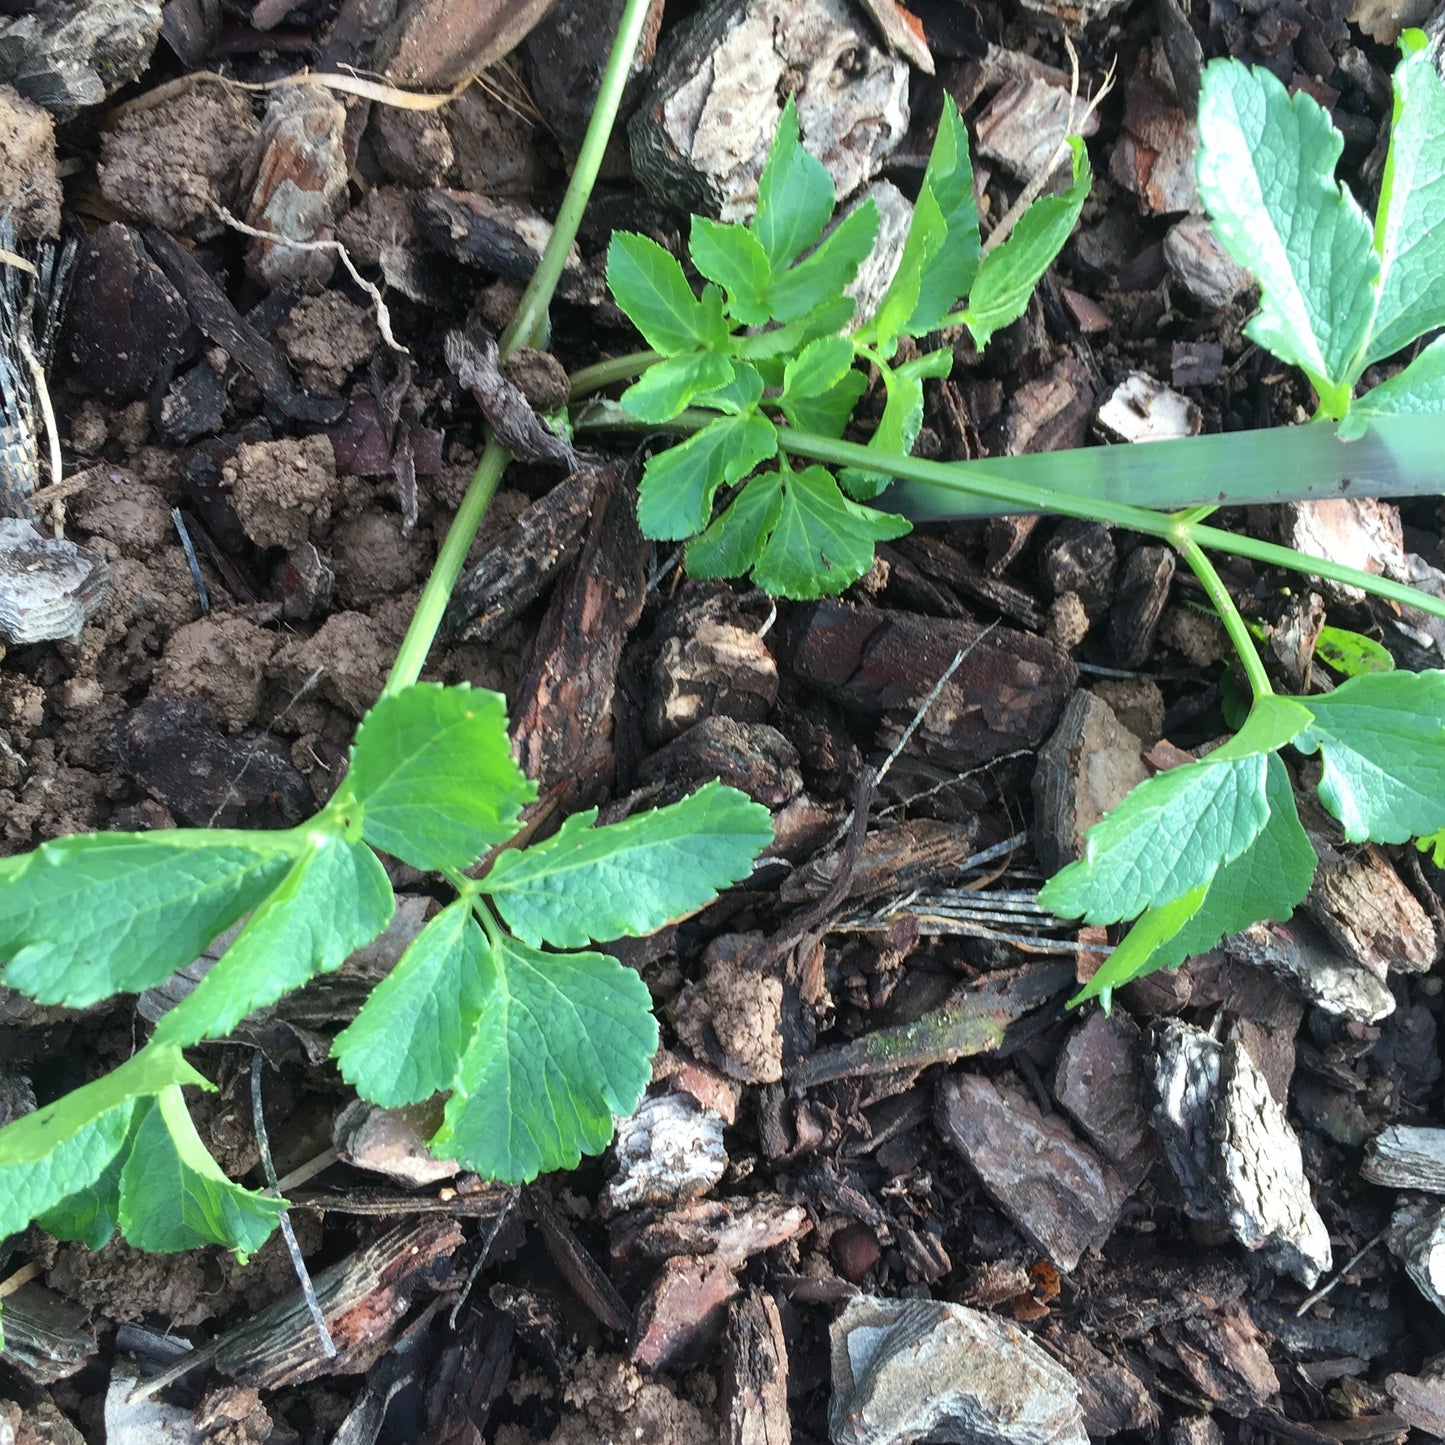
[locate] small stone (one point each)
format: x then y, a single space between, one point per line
1417 1240
906 1370
855 1250
671 1150
391 1142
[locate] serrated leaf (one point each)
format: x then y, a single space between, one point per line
173 1195
1419 388
85 917
949 273
927 234
816 369
1009 273
1352 653
432 771
564 1043
1409 236
674 500
404 1045
821 542
827 415
1382 740
647 283
668 386
1266 173
734 538
740 395
795 195
1268 881
335 899
818 280
31 1188
90 1215
825 320
733 257
902 419
626 879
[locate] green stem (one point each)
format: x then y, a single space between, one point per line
1224 605
528 328
614 369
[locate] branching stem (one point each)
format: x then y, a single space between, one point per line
607 373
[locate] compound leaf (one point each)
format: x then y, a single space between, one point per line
927 235
733 257
821 541
739 395
1266 173
85 917
1382 740
1009 273
173 1195
564 1043
404 1045
335 899
1408 233
815 284
629 878
949 272
647 283
828 414
675 498
824 320
816 369
795 196
433 773
901 421
668 386
1268 880
734 539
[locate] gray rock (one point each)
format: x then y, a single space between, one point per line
1417 1240
906 1370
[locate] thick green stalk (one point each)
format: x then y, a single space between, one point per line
528 328
1224 605
614 369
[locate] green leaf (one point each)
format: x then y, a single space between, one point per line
1409 235
629 878
733 257
927 234
1268 880
666 387
432 771
74 1163
795 195
90 1215
950 271
828 414
404 1045
818 281
821 542
1009 273
647 283
734 539
824 320
902 419
335 899
1382 739
674 500
85 917
1266 173
739 396
817 369
173 1195
1351 652
1420 387
564 1043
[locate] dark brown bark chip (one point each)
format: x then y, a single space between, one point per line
1101 1086
1058 1191
755 1374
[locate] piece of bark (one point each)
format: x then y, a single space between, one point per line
1141 409
702 131
467 1379
1080 557
1100 1084
974 1020
1225 1357
1053 1187
684 1311
1417 1240
1051 413
735 1230
880 666
1195 363
1299 953
473 360
927 1369
1088 766
519 568
1371 916
391 1142
562 713
755 1374
1419 1400
436 43
47 1337
66 56
935 559
892 862
1113 1398
1025 123
669 1151
1155 155
1141 594
1406 1156
359 1297
49 587
753 757
1202 266
1359 532
733 1015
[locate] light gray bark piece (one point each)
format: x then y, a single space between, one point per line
1141 409
1185 1082
906 1370
1026 122
1201 265
1266 1193
670 1151
1405 1156
702 133
1053 1186
74 53
391 1142
49 587
875 275
1417 1240
1366 910
1323 975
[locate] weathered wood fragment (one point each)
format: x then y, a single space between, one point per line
1406 1156
1100 1084
669 1151
1371 916
755 1374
